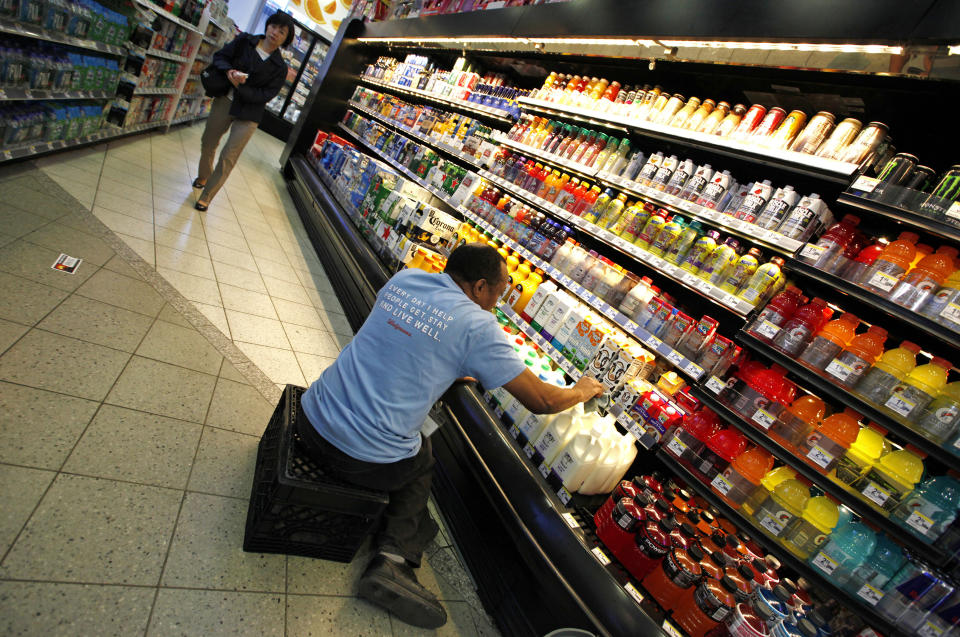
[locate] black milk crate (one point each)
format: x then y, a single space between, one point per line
296 508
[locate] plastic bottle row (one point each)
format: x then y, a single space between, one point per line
142 110
918 396
83 19
159 73
32 64
904 183
31 122
847 141
779 210
905 272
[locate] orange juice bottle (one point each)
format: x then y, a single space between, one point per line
549 183
828 342
798 421
892 263
857 357
523 290
923 280
822 449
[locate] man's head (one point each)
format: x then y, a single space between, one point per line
480 272
280 29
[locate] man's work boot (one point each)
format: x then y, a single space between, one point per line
393 586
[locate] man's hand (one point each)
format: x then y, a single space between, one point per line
589 387
466 379
236 77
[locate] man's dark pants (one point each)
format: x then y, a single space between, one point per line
406 526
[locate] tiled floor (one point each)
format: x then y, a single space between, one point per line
131 403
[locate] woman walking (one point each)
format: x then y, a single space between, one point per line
255 68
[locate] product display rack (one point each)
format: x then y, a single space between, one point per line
14 94
31 31
465 445
908 218
32 149
477 110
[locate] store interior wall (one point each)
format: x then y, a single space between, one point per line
243 12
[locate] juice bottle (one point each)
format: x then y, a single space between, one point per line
862 454
766 278
651 229
743 476
612 212
596 210
694 186
943 307
808 532
636 299
650 169
617 527
891 478
768 483
780 203
714 191
652 542
892 367
714 269
785 503
833 242
912 395
667 236
848 548
679 249
857 357
627 218
524 291
695 119
678 180
700 251
828 342
930 509
805 322
858 267
892 263
913 291
752 204
798 421
869 579
664 173
822 449
776 313
742 270
940 419
711 603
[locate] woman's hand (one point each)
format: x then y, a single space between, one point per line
236 77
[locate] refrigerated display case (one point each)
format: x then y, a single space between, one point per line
532 547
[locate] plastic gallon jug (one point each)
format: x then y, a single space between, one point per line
785 503
892 367
848 548
891 479
808 533
578 457
556 435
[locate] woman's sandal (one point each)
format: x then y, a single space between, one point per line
202 207
198 184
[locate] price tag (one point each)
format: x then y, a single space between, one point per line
767 329
528 450
900 405
951 313
544 469
564 495
570 520
704 286
920 522
929 630
774 526
514 432
600 555
825 563
883 281
676 447
721 484
864 183
689 206
498 410
954 210
869 594
763 418
820 457
812 252
839 369
633 592
632 427
671 630
715 385
674 357
653 342
875 494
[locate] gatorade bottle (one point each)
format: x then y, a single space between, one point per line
714 269
869 579
930 509
887 372
833 242
940 419
799 330
862 454
912 395
891 479
798 421
700 251
785 503
777 312
913 291
768 483
856 358
886 271
809 532
720 450
743 476
762 281
848 548
742 270
944 306
829 341
847 256
822 449
687 440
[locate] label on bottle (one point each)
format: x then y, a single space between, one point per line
528 450
929 629
767 329
775 525
899 405
883 281
869 594
715 385
676 447
671 630
564 495
920 522
570 520
812 252
954 210
600 555
514 432
865 184
633 592
825 563
820 457
875 494
951 313
763 418
839 370
721 484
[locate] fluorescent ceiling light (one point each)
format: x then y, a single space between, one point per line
501 40
786 46
953 49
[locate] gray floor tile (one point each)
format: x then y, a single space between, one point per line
460 623
164 389
39 428
309 616
247 301
122 291
9 333
184 262
119 265
17 221
124 224
238 277
280 365
226 238
239 408
171 315
265 252
311 341
278 270
141 209
298 314
124 444
233 257
176 240
307 576
21 489
59 363
194 288
216 315
183 346
181 221
325 302
217 614
31 261
439 584
24 301
97 322
144 248
287 291
338 324
6 238
312 366
230 372
225 463
68 610
207 550
257 330
77 244
95 530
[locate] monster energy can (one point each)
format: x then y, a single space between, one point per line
940 200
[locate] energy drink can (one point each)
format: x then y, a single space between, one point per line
839 139
894 174
942 197
788 129
866 143
814 133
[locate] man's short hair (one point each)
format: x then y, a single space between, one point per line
282 19
474 261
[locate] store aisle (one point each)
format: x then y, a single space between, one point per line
129 422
